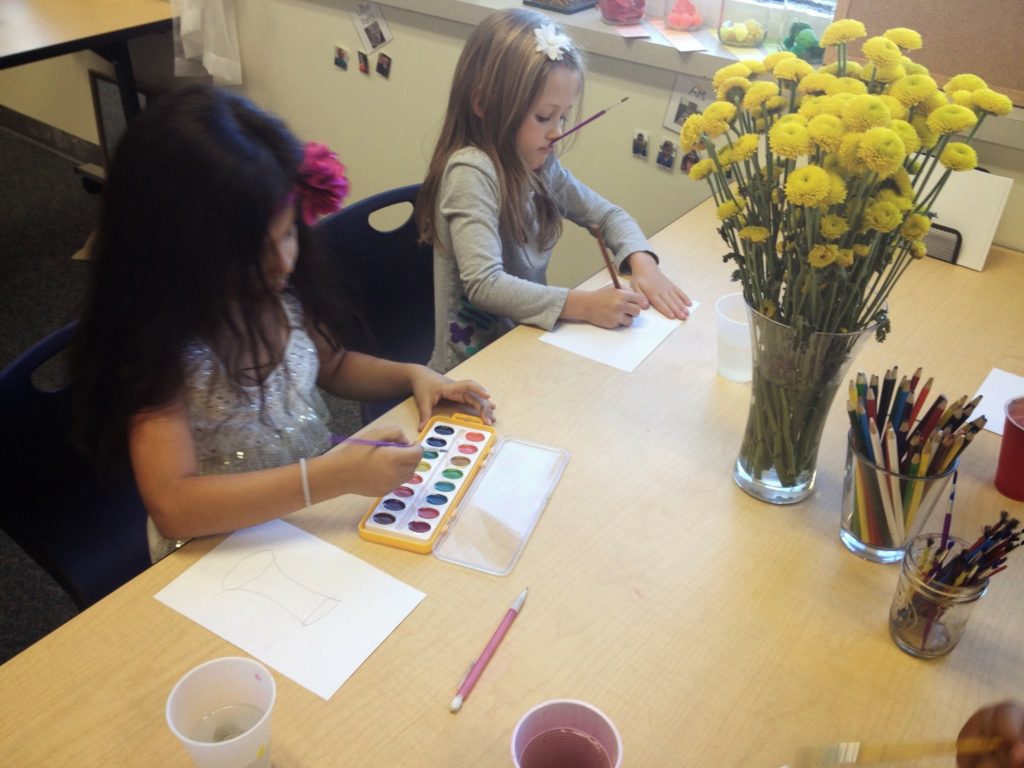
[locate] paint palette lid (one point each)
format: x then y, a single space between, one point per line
497 515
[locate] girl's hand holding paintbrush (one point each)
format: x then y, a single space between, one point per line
1004 721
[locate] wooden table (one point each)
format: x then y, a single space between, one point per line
33 30
714 629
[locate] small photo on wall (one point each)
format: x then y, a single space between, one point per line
690 95
666 157
640 143
340 57
383 65
364 63
689 160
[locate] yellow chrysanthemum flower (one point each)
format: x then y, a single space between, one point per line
863 112
792 117
807 186
894 197
836 190
913 89
847 153
918 249
745 146
713 127
882 216
792 69
728 209
845 257
833 227
896 109
815 83
915 226
913 68
733 89
754 234
904 186
993 102
772 59
933 102
881 51
758 94
882 151
911 141
720 110
965 82
861 250
812 106
929 138
905 38
776 104
725 158
827 132
846 85
768 308
689 133
789 139
883 73
963 98
736 69
952 118
842 31
701 169
853 69
958 156
823 255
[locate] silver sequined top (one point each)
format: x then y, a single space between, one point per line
230 429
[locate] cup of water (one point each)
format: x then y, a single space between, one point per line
734 362
565 733
220 711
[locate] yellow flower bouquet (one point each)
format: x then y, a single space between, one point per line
824 181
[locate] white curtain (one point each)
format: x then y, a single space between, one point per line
206 40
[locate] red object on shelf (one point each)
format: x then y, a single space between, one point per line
622 11
684 15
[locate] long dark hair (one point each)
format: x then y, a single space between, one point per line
189 196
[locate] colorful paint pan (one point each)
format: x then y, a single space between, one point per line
414 514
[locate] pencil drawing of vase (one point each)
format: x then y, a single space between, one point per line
795 378
259 574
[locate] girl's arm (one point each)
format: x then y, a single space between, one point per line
184 504
355 376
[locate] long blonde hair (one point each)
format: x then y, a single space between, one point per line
499 74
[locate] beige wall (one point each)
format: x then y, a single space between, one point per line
384 130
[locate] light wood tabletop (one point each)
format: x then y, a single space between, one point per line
715 630
36 29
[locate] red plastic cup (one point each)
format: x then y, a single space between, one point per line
1010 470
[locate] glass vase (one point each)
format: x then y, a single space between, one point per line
795 378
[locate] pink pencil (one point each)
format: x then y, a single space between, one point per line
492 645
590 119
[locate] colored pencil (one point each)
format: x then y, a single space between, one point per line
888 384
606 256
590 119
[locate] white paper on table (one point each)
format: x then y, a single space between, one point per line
997 388
624 347
311 611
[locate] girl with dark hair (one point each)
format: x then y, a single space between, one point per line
210 325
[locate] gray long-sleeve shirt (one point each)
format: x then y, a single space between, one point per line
483 282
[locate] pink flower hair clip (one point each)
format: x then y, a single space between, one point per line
552 44
322 182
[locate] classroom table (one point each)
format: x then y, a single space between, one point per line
714 629
33 30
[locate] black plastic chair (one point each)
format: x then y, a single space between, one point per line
87 531
391 277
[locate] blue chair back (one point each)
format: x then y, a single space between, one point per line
391 275
86 530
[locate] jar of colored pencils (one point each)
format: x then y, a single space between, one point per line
934 598
885 508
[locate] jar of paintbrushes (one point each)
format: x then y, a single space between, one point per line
901 462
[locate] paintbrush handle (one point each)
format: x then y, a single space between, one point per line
864 753
606 256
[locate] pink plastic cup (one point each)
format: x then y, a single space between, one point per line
564 733
1010 470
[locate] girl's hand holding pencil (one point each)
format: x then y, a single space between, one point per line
1004 721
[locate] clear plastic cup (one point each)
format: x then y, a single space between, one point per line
734 361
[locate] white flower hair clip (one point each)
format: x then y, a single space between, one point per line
552 44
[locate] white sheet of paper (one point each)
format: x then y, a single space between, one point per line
998 387
972 203
302 606
624 347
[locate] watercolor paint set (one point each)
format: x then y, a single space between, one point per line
474 498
